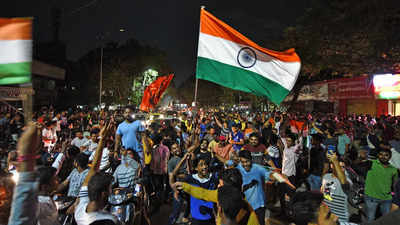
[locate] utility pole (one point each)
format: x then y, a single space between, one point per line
101 74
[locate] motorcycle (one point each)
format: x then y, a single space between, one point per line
62 204
123 203
355 195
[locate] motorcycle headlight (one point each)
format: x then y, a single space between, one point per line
116 199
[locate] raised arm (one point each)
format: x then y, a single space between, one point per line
197 192
338 169
196 143
97 155
178 166
218 122
317 129
24 204
224 161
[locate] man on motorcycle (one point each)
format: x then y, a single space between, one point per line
127 171
95 190
91 210
77 176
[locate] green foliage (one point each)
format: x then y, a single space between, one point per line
140 83
338 38
122 64
347 38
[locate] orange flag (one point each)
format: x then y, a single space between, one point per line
296 126
152 94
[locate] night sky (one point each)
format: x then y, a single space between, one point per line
171 25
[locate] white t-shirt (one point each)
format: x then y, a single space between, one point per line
84 218
58 161
290 157
58 127
92 146
395 160
51 135
80 142
277 126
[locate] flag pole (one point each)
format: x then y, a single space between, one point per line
195 91
197 80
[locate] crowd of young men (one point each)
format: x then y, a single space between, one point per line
211 166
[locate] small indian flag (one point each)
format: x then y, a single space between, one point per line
228 58
15 50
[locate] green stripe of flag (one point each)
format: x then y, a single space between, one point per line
239 79
15 73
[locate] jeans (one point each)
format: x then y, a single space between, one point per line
284 189
372 203
176 210
260 212
315 182
141 156
178 206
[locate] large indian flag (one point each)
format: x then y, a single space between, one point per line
15 50
228 58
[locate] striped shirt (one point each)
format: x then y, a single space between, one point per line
83 193
225 132
75 182
125 175
104 158
335 197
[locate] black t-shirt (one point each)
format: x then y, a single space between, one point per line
362 168
266 133
203 155
317 160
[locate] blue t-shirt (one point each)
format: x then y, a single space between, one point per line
128 133
343 140
236 138
203 130
255 195
200 209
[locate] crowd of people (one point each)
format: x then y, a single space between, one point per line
211 166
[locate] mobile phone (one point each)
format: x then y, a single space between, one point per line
331 149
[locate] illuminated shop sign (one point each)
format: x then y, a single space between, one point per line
387 86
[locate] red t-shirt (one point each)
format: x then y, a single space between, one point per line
258 148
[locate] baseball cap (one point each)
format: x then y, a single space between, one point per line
221 138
